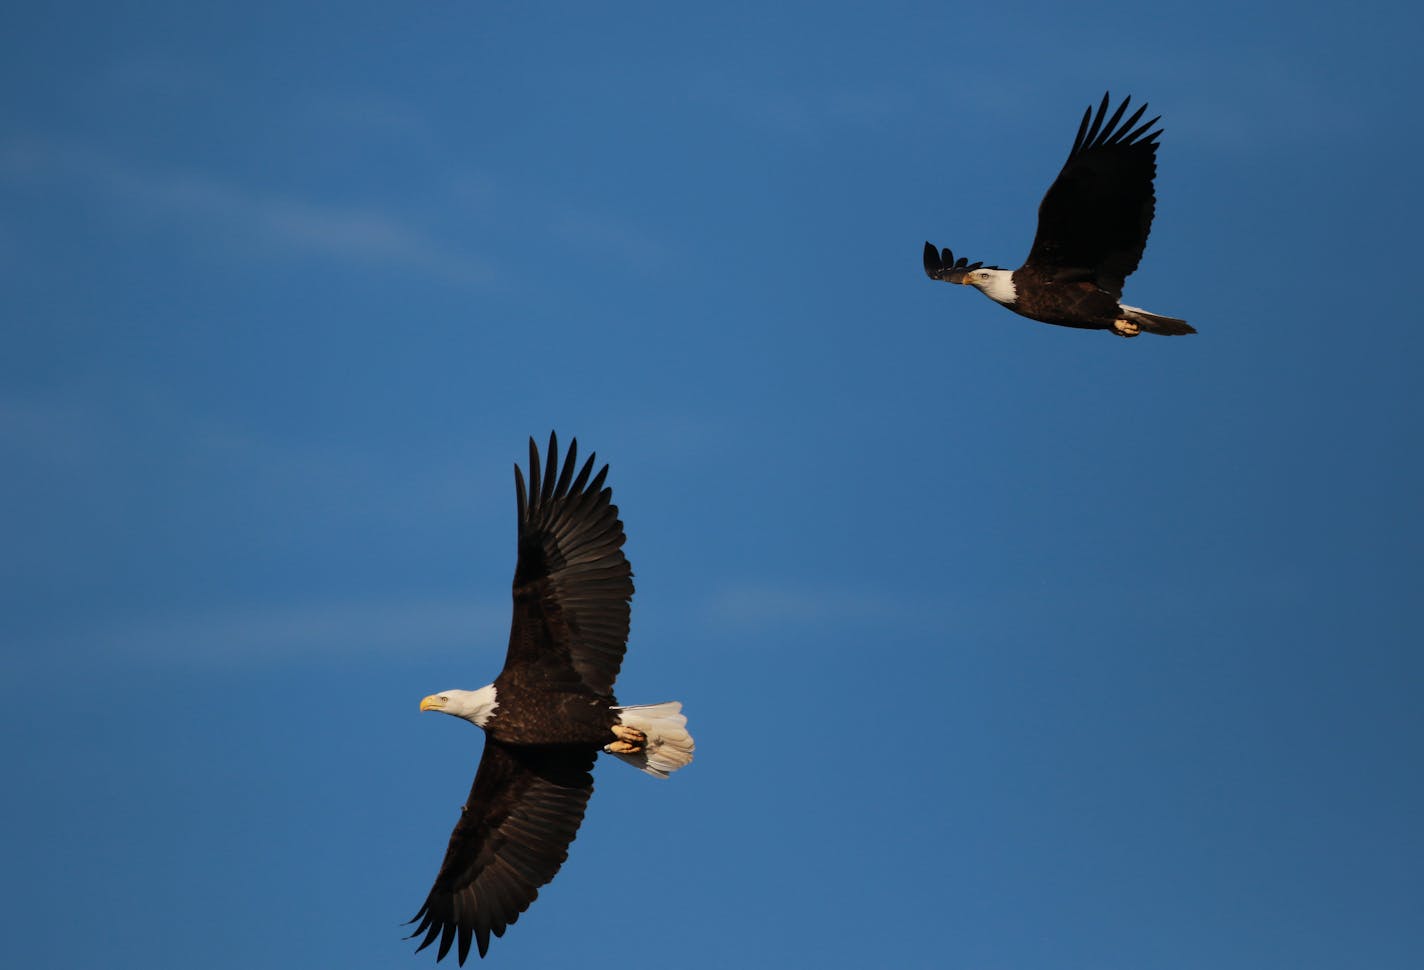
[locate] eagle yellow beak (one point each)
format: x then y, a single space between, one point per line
432 703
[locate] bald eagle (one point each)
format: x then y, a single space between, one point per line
549 712
1092 228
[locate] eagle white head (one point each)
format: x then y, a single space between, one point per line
996 284
475 706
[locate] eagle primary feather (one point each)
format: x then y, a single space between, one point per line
550 710
1093 225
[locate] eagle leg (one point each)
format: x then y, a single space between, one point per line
631 734
1126 328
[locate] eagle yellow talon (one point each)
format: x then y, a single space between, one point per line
1092 230
629 734
543 720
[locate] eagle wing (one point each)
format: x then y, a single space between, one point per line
513 835
1094 220
572 583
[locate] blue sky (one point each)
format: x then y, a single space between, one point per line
1005 646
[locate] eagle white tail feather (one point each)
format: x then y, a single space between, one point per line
669 746
1155 322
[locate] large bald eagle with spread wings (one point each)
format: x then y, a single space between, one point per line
549 712
1092 229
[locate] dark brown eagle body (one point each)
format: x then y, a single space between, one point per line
546 718
1093 225
1073 303
553 707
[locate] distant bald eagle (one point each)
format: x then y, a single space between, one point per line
1092 229
549 712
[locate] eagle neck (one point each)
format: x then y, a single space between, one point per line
484 704
1001 287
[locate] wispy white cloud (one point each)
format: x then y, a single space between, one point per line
358 481
760 606
273 636
228 210
382 118
610 237
95 434
805 109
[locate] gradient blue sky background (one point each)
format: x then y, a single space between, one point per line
1005 646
